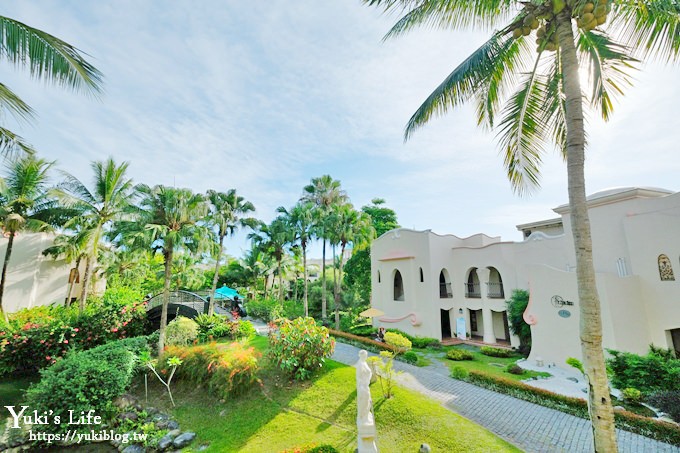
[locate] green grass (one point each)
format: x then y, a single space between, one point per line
491 365
12 390
282 414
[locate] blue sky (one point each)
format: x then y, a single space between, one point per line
262 96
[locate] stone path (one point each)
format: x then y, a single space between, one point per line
531 427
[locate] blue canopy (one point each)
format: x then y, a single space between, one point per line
227 293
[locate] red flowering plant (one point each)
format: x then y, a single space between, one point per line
300 346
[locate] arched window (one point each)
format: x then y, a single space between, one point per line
398 286
422 278
472 286
665 269
445 285
494 287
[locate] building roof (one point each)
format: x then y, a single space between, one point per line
618 194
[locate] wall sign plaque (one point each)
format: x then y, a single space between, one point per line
564 313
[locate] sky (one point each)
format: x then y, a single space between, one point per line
262 96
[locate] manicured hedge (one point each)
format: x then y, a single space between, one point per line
495 352
649 427
419 342
379 345
459 354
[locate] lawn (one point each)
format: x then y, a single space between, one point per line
490 365
281 415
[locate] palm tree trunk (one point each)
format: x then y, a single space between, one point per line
278 269
86 283
166 299
211 306
304 267
3 279
335 293
599 402
323 281
72 284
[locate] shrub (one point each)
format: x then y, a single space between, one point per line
517 305
459 354
265 309
300 347
363 341
649 374
85 380
669 402
410 357
458 372
513 368
495 352
181 331
418 342
400 342
228 369
631 395
575 363
219 326
364 331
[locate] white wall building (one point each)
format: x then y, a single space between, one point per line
440 286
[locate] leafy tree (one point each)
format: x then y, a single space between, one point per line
72 247
226 215
273 239
323 192
47 58
517 305
24 205
547 106
300 220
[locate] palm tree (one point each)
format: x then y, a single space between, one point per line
168 220
72 247
226 211
47 58
547 106
300 221
24 204
109 200
323 193
257 264
273 239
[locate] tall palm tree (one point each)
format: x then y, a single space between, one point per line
110 198
168 220
323 192
73 248
47 58
300 220
226 211
547 106
257 264
273 239
24 204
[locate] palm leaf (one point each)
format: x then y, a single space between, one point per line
12 145
14 104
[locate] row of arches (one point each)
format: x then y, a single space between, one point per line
494 285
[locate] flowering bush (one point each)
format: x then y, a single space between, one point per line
300 346
39 336
228 369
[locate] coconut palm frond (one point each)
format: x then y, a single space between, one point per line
608 66
47 57
650 28
554 107
14 104
12 145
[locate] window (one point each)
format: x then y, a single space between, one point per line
422 278
665 269
473 321
444 285
378 276
398 286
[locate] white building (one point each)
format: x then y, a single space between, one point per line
443 286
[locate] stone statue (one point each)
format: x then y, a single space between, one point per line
365 420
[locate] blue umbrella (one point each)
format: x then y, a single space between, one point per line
227 293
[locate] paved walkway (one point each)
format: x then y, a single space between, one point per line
531 427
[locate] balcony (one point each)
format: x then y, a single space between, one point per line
494 290
445 291
472 291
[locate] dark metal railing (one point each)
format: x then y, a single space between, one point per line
472 291
445 291
494 290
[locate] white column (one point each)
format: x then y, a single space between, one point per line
487 317
483 275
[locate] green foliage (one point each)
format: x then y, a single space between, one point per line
325 448
495 352
399 342
418 342
300 347
364 331
649 374
181 331
386 373
575 363
513 368
459 354
460 373
227 369
668 401
517 305
631 395
410 357
219 326
85 380
267 310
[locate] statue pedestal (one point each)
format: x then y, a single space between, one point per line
366 437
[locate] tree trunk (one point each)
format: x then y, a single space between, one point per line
304 270
599 403
211 306
278 269
338 290
335 293
86 283
323 281
167 255
3 279
72 284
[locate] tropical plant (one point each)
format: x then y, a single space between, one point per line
273 239
47 58
167 220
547 106
110 198
24 204
226 215
300 220
72 247
323 193
517 305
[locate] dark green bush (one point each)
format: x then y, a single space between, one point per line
264 309
460 373
513 368
410 357
495 352
651 373
85 380
669 402
459 354
517 305
418 342
364 331
218 326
